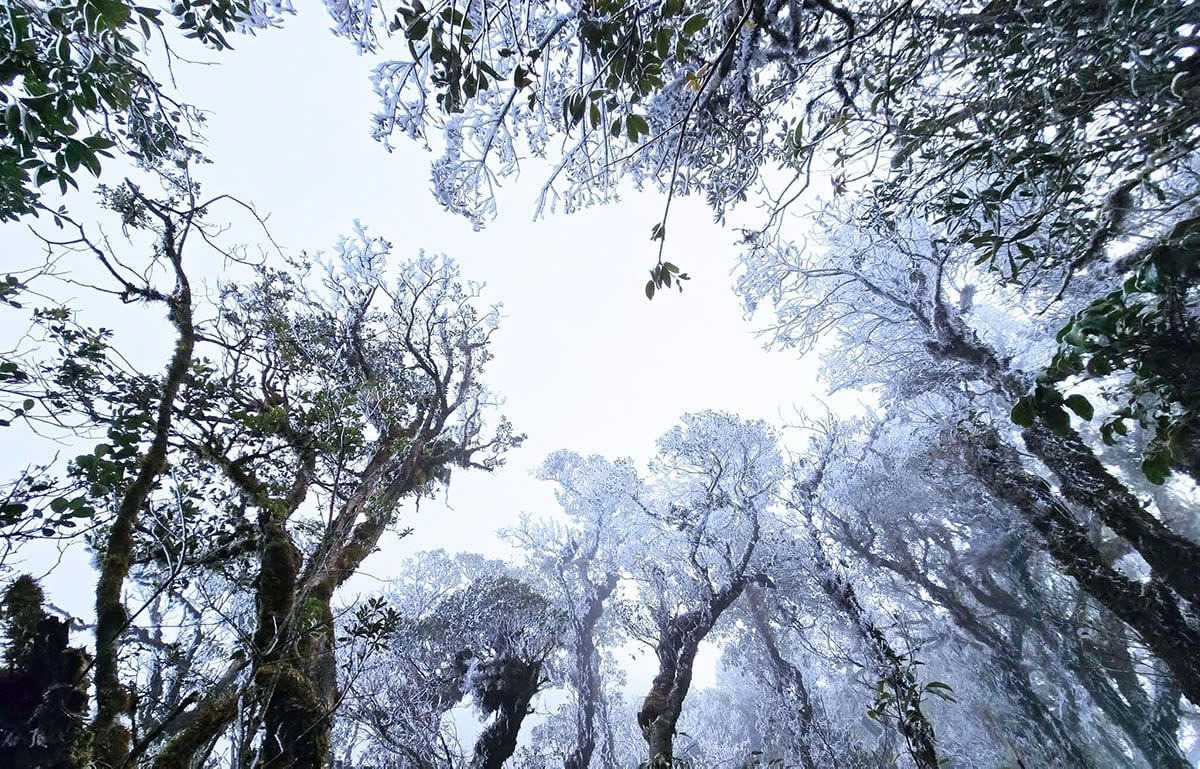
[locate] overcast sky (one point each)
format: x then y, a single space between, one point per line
583 359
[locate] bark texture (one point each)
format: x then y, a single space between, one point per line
111 737
679 639
509 687
44 702
1150 608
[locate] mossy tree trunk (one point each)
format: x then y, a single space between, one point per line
1083 478
518 681
111 737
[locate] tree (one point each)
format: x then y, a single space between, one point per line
321 409
959 558
904 297
581 564
899 694
43 684
1031 142
74 85
719 475
462 627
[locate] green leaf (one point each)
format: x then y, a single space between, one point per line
694 24
1155 469
635 125
112 13
1081 406
650 289
418 29
1022 412
1099 365
1056 419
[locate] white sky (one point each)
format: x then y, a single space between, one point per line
584 360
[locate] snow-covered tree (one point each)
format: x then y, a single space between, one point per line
580 563
452 629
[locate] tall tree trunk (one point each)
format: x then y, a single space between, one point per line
789 680
1083 477
111 737
296 718
1051 733
295 639
679 638
587 676
912 722
1085 481
517 681
1150 609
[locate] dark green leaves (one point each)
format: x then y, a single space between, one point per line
1135 332
1047 404
1022 413
1156 466
82 89
1080 405
663 276
694 24
635 126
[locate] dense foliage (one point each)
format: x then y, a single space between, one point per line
996 564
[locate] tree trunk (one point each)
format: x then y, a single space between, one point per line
1085 481
678 642
44 702
587 676
918 732
110 736
1083 478
517 681
297 720
1150 609
789 680
1051 734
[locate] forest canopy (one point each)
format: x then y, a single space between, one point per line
979 219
